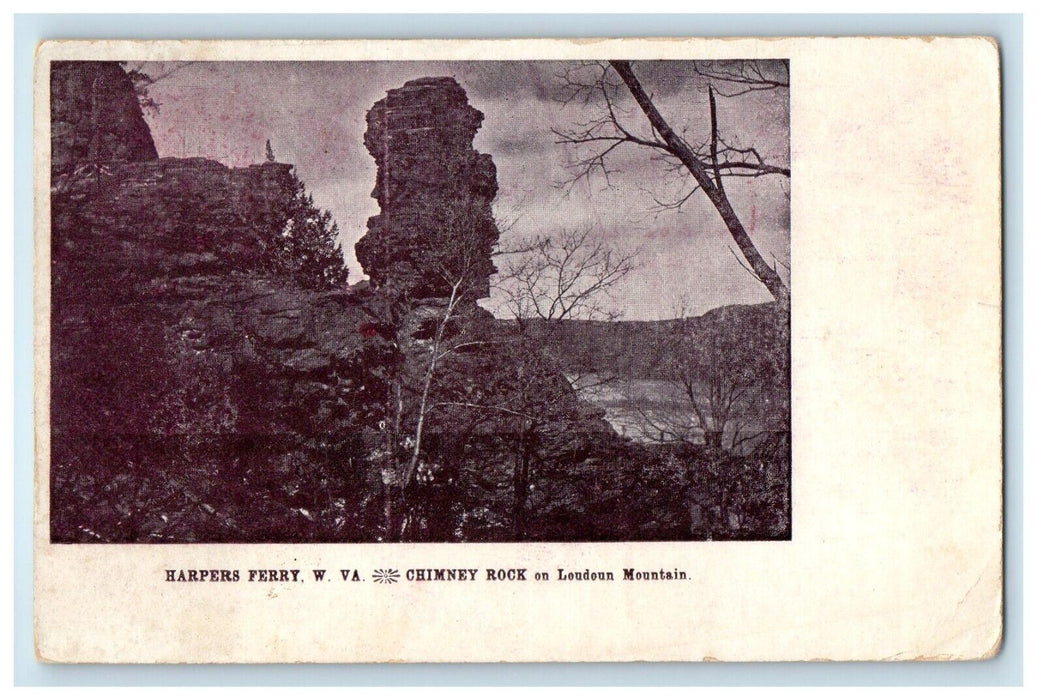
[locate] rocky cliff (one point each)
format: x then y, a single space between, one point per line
95 117
188 377
174 349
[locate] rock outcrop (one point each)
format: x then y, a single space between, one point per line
168 214
95 116
176 352
436 225
196 394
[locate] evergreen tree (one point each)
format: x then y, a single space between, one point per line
269 155
308 248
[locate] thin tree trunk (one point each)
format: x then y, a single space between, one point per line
390 470
681 150
388 509
429 376
521 482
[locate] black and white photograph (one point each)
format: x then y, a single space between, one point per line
411 301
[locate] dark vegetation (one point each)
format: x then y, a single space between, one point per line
215 380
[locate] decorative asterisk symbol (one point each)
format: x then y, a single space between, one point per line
386 575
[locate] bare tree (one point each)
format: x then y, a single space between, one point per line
709 163
510 387
520 396
718 401
565 276
728 376
429 332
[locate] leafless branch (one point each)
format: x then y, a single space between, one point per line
568 275
785 266
484 407
737 78
606 131
747 269
674 204
714 139
589 381
600 137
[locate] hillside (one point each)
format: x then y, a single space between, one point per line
637 349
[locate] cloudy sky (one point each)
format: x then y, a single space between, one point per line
315 115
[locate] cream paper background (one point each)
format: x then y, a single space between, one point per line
897 525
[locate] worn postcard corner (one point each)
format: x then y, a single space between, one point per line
518 351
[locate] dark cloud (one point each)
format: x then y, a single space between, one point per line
519 143
315 115
497 80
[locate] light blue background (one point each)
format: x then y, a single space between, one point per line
1006 669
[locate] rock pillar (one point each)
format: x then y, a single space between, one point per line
436 226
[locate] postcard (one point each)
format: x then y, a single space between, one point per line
501 350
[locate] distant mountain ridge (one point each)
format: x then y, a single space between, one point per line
635 348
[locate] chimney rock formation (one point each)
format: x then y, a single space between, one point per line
436 225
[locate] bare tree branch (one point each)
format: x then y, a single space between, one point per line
598 139
745 268
743 77
568 275
697 168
